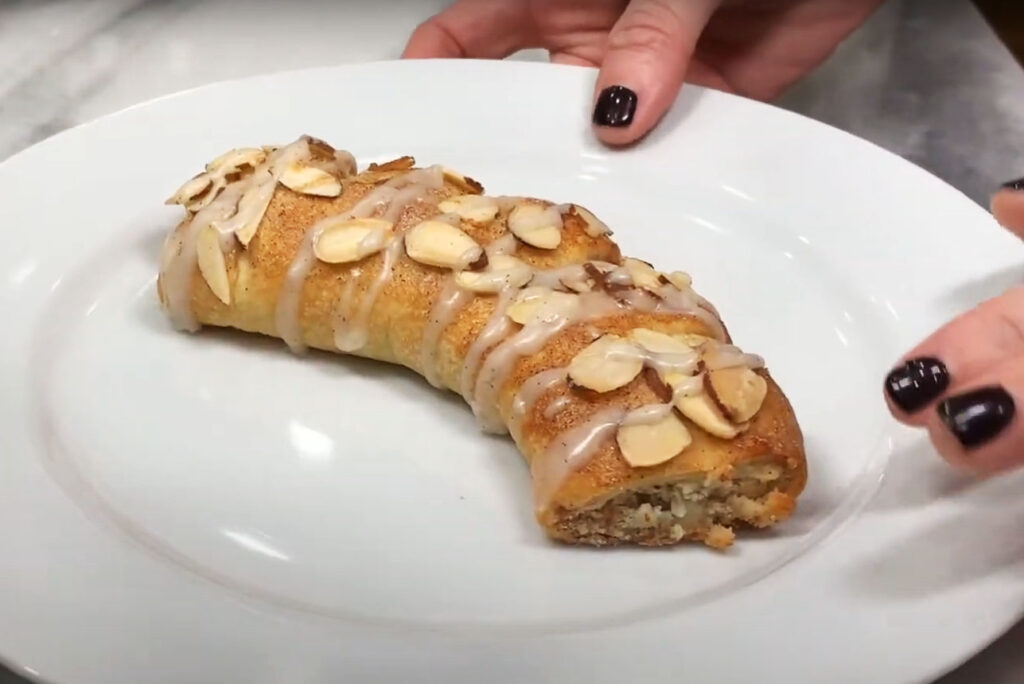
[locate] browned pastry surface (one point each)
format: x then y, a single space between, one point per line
594 495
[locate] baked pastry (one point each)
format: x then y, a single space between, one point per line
640 421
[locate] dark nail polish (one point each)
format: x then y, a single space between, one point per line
1017 185
917 383
615 106
977 416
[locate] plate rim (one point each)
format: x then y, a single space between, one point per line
84 128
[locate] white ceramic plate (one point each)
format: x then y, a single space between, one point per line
211 508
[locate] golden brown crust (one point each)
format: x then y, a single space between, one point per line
400 317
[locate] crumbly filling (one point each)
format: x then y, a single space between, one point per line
699 508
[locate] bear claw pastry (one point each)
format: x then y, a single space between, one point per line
639 420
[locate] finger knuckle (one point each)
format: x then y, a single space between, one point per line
654 27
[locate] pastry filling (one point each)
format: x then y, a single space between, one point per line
698 508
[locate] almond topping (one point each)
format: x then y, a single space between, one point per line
739 390
692 339
197 192
681 280
645 445
352 240
436 243
502 271
607 364
237 158
319 150
703 411
211 263
541 304
471 207
310 180
658 342
536 225
595 226
400 164
464 182
642 273
251 208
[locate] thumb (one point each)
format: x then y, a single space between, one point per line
649 49
1008 206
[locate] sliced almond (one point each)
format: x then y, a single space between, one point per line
503 271
692 339
536 225
211 263
197 192
437 243
464 182
739 390
471 207
658 342
595 226
251 208
684 384
642 273
320 150
541 304
607 364
232 160
682 281
579 283
703 411
309 180
351 240
648 445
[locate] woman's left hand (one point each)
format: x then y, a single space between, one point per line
963 383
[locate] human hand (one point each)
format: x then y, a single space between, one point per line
645 48
963 383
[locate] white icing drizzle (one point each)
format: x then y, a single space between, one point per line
570 451
557 405
342 308
557 278
415 188
506 244
498 365
647 415
497 327
450 302
237 204
529 340
530 391
390 198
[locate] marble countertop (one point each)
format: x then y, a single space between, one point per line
926 79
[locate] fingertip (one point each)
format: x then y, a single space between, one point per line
914 385
648 53
1007 206
976 428
614 116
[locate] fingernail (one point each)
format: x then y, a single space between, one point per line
977 416
615 106
917 383
1017 185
